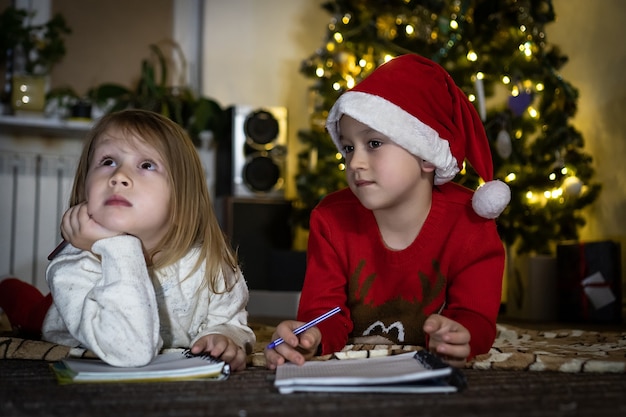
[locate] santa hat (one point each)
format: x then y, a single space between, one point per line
415 102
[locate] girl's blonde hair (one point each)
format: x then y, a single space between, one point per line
192 219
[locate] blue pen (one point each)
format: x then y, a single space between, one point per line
306 326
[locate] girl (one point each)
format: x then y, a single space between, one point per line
410 257
147 266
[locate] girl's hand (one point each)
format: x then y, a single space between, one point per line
296 349
79 229
448 339
222 347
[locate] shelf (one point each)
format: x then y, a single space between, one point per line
43 126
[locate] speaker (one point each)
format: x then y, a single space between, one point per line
251 161
260 231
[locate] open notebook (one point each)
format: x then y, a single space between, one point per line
173 365
413 372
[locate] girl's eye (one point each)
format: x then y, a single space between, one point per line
107 162
348 149
149 165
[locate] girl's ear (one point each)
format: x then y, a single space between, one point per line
427 166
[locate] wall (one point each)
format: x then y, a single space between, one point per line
590 34
252 52
109 40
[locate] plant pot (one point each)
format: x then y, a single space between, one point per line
29 93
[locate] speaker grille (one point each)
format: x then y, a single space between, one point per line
253 161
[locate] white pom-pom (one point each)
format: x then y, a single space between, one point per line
491 199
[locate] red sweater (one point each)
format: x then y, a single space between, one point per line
454 265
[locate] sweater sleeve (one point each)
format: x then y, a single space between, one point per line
325 287
475 287
107 305
227 315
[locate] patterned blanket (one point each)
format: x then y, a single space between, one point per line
515 348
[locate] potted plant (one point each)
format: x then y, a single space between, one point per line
195 113
28 53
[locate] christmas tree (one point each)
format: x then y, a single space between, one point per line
498 54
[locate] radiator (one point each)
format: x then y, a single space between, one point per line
35 192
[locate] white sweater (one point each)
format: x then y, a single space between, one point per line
112 307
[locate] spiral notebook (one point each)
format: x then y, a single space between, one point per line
175 365
413 372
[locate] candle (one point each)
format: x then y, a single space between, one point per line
480 95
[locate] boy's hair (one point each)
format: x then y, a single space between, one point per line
192 219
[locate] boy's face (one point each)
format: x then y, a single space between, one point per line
127 188
379 172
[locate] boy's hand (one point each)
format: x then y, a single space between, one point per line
79 229
222 347
448 339
296 349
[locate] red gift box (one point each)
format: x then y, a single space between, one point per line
589 282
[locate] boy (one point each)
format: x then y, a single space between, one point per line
410 257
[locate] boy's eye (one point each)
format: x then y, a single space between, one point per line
348 148
375 144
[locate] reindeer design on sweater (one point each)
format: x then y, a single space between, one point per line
396 320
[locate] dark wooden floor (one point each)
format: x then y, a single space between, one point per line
28 388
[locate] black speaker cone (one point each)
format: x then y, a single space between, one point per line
261 127
261 173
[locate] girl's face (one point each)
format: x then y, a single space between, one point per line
128 189
380 173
